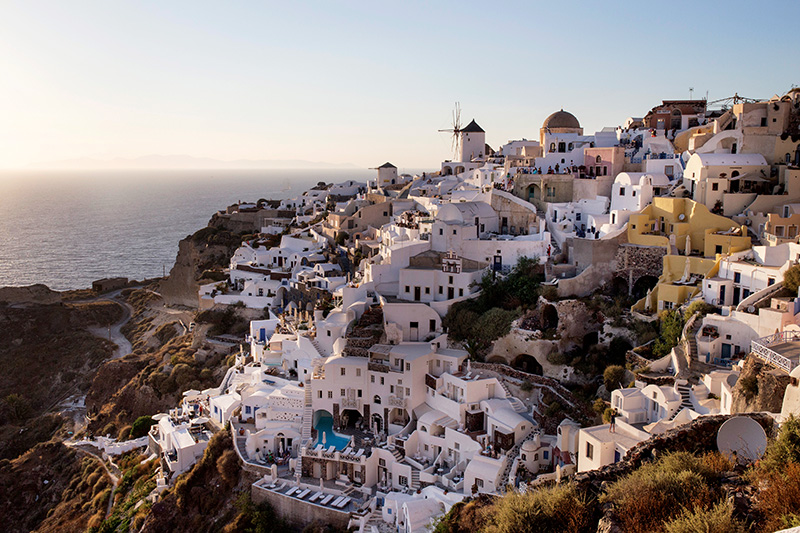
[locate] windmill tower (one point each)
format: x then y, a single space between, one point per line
469 142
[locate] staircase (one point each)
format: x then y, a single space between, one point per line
516 403
692 340
512 454
240 446
316 345
684 389
415 484
397 455
308 414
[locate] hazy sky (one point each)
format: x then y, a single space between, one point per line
360 82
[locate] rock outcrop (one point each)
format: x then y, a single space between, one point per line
182 285
759 388
32 294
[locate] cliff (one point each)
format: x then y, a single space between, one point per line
182 284
759 388
32 294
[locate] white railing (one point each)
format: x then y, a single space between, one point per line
396 401
760 347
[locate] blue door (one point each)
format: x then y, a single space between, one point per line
616 456
726 351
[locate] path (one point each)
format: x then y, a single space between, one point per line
114 472
114 331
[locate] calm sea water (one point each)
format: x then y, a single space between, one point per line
66 229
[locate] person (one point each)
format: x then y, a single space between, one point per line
613 425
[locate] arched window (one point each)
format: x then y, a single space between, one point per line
376 399
598 159
734 173
552 147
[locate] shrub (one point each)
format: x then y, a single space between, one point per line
110 429
785 448
141 426
717 519
779 499
526 386
124 433
698 306
670 329
749 385
791 278
558 358
558 508
657 492
613 377
599 406
228 467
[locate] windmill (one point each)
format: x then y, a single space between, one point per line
455 130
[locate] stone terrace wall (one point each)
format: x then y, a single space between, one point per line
634 261
697 436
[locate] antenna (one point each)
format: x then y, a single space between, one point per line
691 91
455 130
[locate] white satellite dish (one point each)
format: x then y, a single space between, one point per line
742 438
681 216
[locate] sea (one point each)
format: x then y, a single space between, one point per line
66 229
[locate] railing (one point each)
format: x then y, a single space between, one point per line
760 347
396 401
350 404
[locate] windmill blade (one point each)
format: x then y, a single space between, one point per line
457 117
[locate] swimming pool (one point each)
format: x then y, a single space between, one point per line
324 427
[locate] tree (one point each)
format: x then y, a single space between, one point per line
141 426
791 278
671 327
613 376
342 237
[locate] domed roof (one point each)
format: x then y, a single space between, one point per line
561 119
529 446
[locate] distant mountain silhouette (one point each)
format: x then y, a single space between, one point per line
184 162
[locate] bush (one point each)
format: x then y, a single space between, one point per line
670 329
749 385
599 406
558 508
124 433
141 426
717 519
526 386
698 306
779 499
657 492
613 377
558 358
228 467
342 237
785 448
791 278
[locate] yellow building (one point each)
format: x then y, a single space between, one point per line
682 225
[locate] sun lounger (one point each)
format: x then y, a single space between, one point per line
326 499
343 503
316 496
360 452
337 501
332 449
292 491
303 494
348 451
318 448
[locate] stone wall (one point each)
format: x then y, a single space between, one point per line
634 261
300 513
697 436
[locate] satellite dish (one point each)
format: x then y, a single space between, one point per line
681 216
751 309
743 439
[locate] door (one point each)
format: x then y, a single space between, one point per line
416 294
721 295
726 351
450 293
736 295
616 456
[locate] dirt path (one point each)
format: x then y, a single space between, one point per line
113 473
114 331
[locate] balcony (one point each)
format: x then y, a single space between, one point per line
396 401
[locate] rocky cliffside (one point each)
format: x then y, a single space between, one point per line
759 388
32 294
194 257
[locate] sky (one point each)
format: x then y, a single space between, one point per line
360 82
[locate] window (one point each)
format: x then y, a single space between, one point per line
386 213
598 159
427 290
342 390
247 409
589 450
359 393
458 446
372 379
779 231
622 191
408 289
391 389
454 232
440 289
633 193
715 186
358 372
382 381
343 371
577 216
432 324
413 325
460 292
737 277
328 332
770 281
546 455
330 394
408 367
450 280
441 231
479 482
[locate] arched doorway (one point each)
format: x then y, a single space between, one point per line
534 193
527 363
549 317
350 418
398 417
619 285
642 285
377 423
